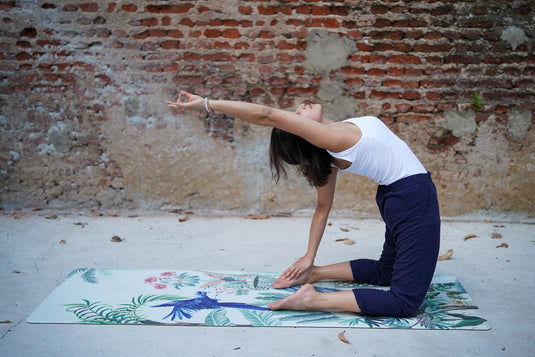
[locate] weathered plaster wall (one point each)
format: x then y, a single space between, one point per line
83 84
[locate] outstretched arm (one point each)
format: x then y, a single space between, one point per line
330 137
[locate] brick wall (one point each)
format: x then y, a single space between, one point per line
82 87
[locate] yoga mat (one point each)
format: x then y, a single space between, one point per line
203 298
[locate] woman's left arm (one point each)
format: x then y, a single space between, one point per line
317 228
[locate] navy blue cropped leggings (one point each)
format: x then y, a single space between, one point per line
410 210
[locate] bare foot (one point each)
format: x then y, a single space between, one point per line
306 277
300 300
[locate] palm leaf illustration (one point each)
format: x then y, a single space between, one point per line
260 318
218 318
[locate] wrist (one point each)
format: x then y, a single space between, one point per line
207 105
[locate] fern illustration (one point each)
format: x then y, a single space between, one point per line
88 275
100 313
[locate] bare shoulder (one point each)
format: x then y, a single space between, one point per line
348 134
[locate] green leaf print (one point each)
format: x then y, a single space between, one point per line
260 318
218 318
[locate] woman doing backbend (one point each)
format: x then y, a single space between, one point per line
406 197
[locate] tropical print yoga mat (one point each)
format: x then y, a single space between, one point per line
204 298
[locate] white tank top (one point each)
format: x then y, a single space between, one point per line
379 154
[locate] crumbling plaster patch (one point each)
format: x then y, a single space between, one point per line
460 123
518 123
325 53
514 36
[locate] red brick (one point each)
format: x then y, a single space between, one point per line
375 72
302 92
464 59
190 56
374 94
402 47
231 33
174 33
247 57
354 82
152 21
256 92
218 57
30 32
382 23
245 10
410 95
22 56
313 22
432 48
400 83
166 45
379 9
408 118
403 107
212 33
89 7
157 33
265 34
321 10
433 35
330 23
129 8
406 59
169 9
187 22
393 71
413 72
423 108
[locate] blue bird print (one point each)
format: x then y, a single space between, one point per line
184 308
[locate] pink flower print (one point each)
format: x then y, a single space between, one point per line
152 279
159 286
168 273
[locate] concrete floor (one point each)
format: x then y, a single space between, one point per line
500 280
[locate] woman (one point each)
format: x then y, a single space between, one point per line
406 197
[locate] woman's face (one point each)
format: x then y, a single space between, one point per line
310 111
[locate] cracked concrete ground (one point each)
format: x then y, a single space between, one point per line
34 260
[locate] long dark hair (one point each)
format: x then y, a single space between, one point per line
286 148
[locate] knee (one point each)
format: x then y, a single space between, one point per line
408 307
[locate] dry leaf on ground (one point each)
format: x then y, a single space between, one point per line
183 219
446 256
114 214
257 216
16 272
62 241
342 337
496 235
5 322
96 214
54 216
283 214
503 245
468 236
346 241
116 239
344 229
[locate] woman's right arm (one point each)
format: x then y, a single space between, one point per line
330 137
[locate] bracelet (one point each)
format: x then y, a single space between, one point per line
207 105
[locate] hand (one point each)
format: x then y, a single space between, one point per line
299 267
187 101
